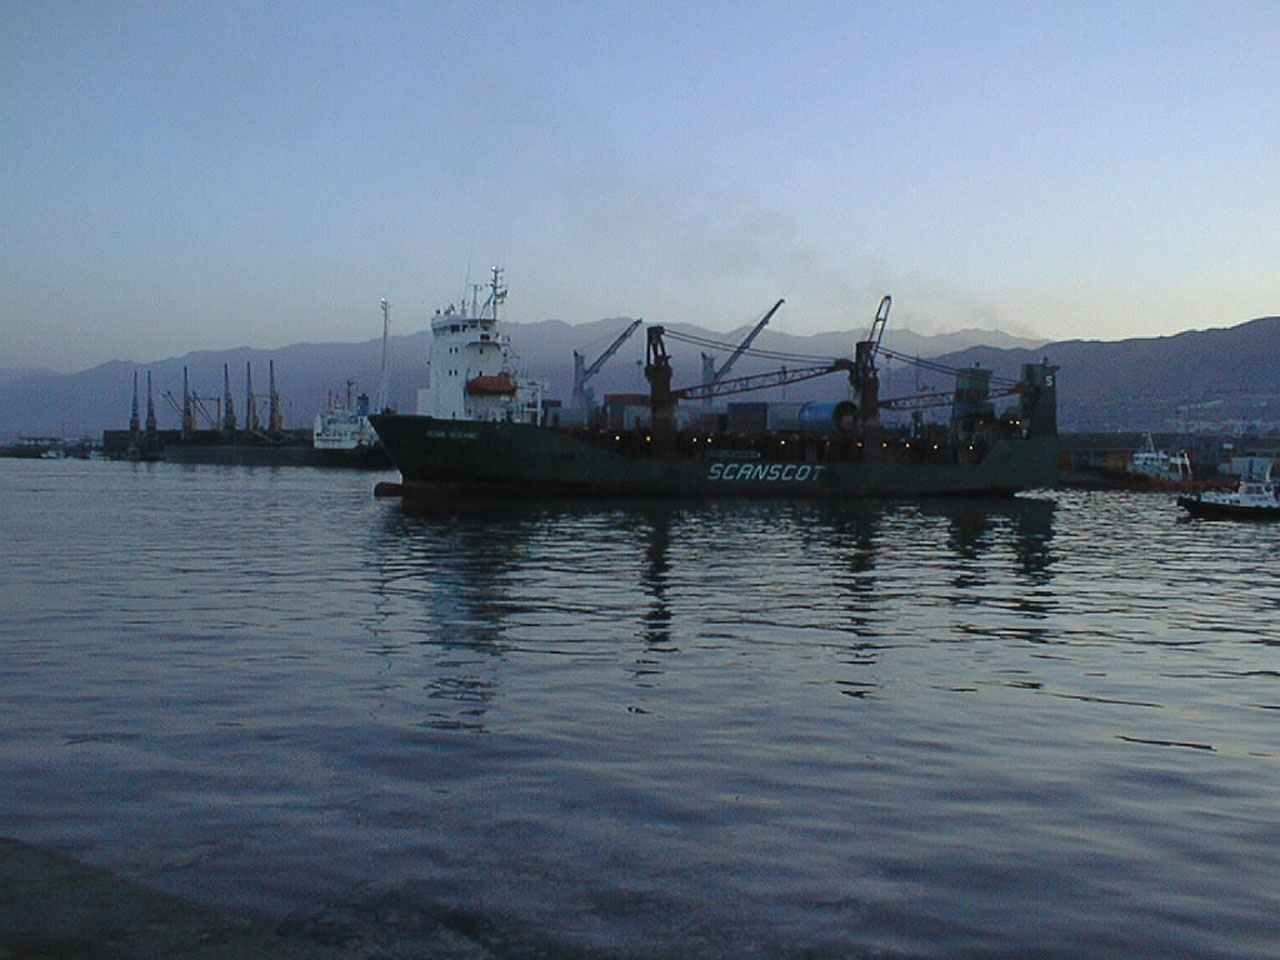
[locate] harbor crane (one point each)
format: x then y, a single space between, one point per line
711 374
228 424
187 411
583 399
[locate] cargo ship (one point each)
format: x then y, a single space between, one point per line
483 429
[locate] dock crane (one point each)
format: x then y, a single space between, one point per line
275 421
710 374
583 399
253 424
192 404
228 424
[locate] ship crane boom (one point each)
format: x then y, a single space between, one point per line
712 375
919 401
582 372
761 381
878 324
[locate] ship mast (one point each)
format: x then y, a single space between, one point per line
497 292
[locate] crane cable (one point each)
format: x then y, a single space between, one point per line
920 362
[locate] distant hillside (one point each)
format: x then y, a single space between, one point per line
1199 381
86 403
8 376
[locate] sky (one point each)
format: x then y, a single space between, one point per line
182 176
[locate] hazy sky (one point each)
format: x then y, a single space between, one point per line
205 175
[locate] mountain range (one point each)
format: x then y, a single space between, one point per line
1197 380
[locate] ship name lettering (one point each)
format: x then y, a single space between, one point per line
778 472
450 435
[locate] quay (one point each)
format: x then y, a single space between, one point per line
56 907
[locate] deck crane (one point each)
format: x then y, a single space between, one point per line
582 396
662 398
878 324
710 374
865 378
861 371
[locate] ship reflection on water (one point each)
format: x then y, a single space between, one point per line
471 583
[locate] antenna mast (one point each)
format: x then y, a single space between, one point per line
497 292
382 405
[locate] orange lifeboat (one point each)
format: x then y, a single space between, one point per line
497 385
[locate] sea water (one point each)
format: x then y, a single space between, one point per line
1044 726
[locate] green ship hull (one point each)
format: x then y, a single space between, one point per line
478 457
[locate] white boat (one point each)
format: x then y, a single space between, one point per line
1160 465
1254 499
344 426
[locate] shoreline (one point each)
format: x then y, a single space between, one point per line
55 906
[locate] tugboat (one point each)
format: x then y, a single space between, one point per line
1254 499
481 430
1150 468
1160 465
343 437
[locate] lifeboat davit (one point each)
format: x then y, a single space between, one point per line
497 385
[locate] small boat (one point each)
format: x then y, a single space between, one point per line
343 437
1254 499
497 385
344 426
1160 465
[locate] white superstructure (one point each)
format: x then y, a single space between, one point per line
472 373
1160 464
344 427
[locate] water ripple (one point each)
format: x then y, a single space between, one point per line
949 729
